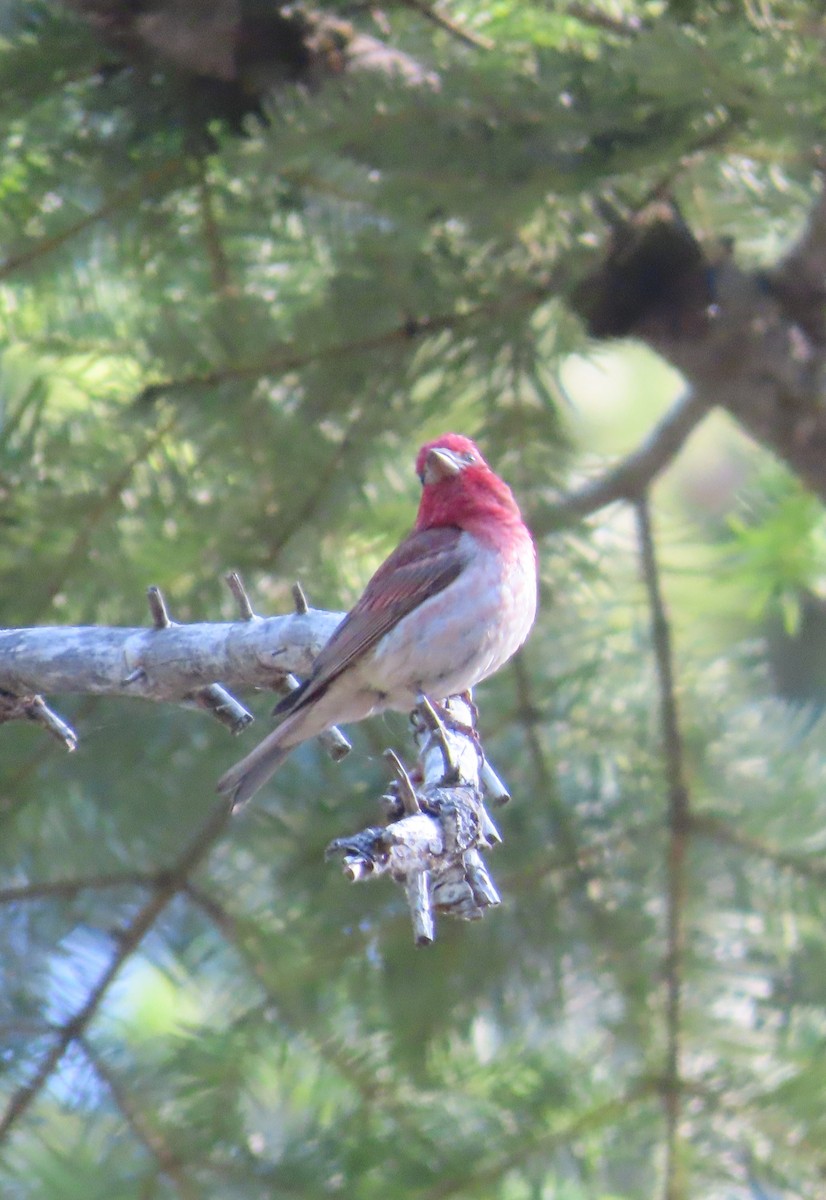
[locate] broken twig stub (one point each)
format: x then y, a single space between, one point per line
431 845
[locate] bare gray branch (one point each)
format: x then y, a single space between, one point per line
431 845
170 664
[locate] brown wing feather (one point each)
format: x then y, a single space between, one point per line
424 564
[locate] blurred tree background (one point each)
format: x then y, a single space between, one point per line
252 259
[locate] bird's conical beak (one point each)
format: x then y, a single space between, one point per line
441 464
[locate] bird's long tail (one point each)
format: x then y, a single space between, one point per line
244 779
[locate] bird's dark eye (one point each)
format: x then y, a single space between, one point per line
468 457
421 478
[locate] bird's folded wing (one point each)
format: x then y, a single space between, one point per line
423 565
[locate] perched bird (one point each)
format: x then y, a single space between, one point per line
449 606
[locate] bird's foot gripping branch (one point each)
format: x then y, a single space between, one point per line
437 823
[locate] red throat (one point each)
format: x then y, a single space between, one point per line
476 500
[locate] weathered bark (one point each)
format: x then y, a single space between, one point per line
178 663
169 664
234 54
752 342
436 830
431 847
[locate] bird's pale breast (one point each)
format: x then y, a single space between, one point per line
458 637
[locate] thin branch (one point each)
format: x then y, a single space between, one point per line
432 721
595 852
406 792
149 1137
808 866
633 475
35 708
481 1178
475 40
286 359
127 942
567 837
134 193
333 740
67 889
299 599
721 1099
495 789
236 586
224 707
157 608
220 273
29 1028
678 829
13 800
221 918
589 14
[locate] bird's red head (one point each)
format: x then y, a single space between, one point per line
446 457
459 488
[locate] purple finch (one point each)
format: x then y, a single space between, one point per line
449 606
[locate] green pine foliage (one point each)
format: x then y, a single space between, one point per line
223 339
